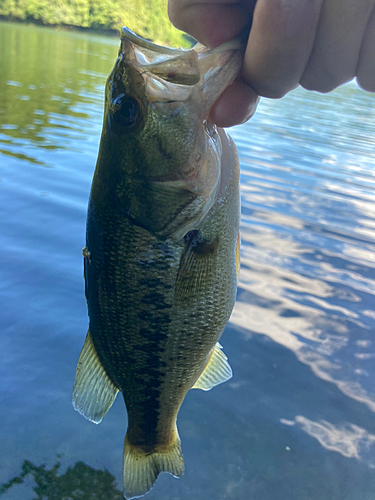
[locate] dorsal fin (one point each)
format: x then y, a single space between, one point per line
238 257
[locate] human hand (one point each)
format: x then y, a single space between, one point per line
319 44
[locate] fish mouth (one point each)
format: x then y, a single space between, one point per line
198 74
144 43
173 85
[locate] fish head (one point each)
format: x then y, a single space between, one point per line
159 152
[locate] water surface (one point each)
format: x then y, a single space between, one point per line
297 419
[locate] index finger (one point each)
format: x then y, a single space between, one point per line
211 22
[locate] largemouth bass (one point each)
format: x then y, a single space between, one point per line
161 255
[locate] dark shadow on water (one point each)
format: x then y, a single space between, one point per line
79 482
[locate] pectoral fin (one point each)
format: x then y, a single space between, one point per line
93 391
216 372
197 266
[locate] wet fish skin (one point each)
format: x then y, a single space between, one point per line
160 258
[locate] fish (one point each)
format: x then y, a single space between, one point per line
161 259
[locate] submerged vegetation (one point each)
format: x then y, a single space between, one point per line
148 18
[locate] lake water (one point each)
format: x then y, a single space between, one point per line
297 420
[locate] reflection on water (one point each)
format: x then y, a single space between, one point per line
77 483
297 419
48 91
350 440
308 266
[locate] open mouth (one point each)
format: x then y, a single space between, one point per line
146 44
171 74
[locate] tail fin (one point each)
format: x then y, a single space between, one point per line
141 469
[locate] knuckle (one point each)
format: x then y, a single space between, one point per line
325 81
275 90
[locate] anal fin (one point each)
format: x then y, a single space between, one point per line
93 391
216 371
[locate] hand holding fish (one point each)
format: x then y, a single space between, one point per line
318 44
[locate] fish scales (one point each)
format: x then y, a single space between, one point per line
143 345
161 252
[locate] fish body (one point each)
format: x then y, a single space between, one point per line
161 255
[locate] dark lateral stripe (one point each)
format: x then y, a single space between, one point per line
154 315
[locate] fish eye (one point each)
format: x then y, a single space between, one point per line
126 112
